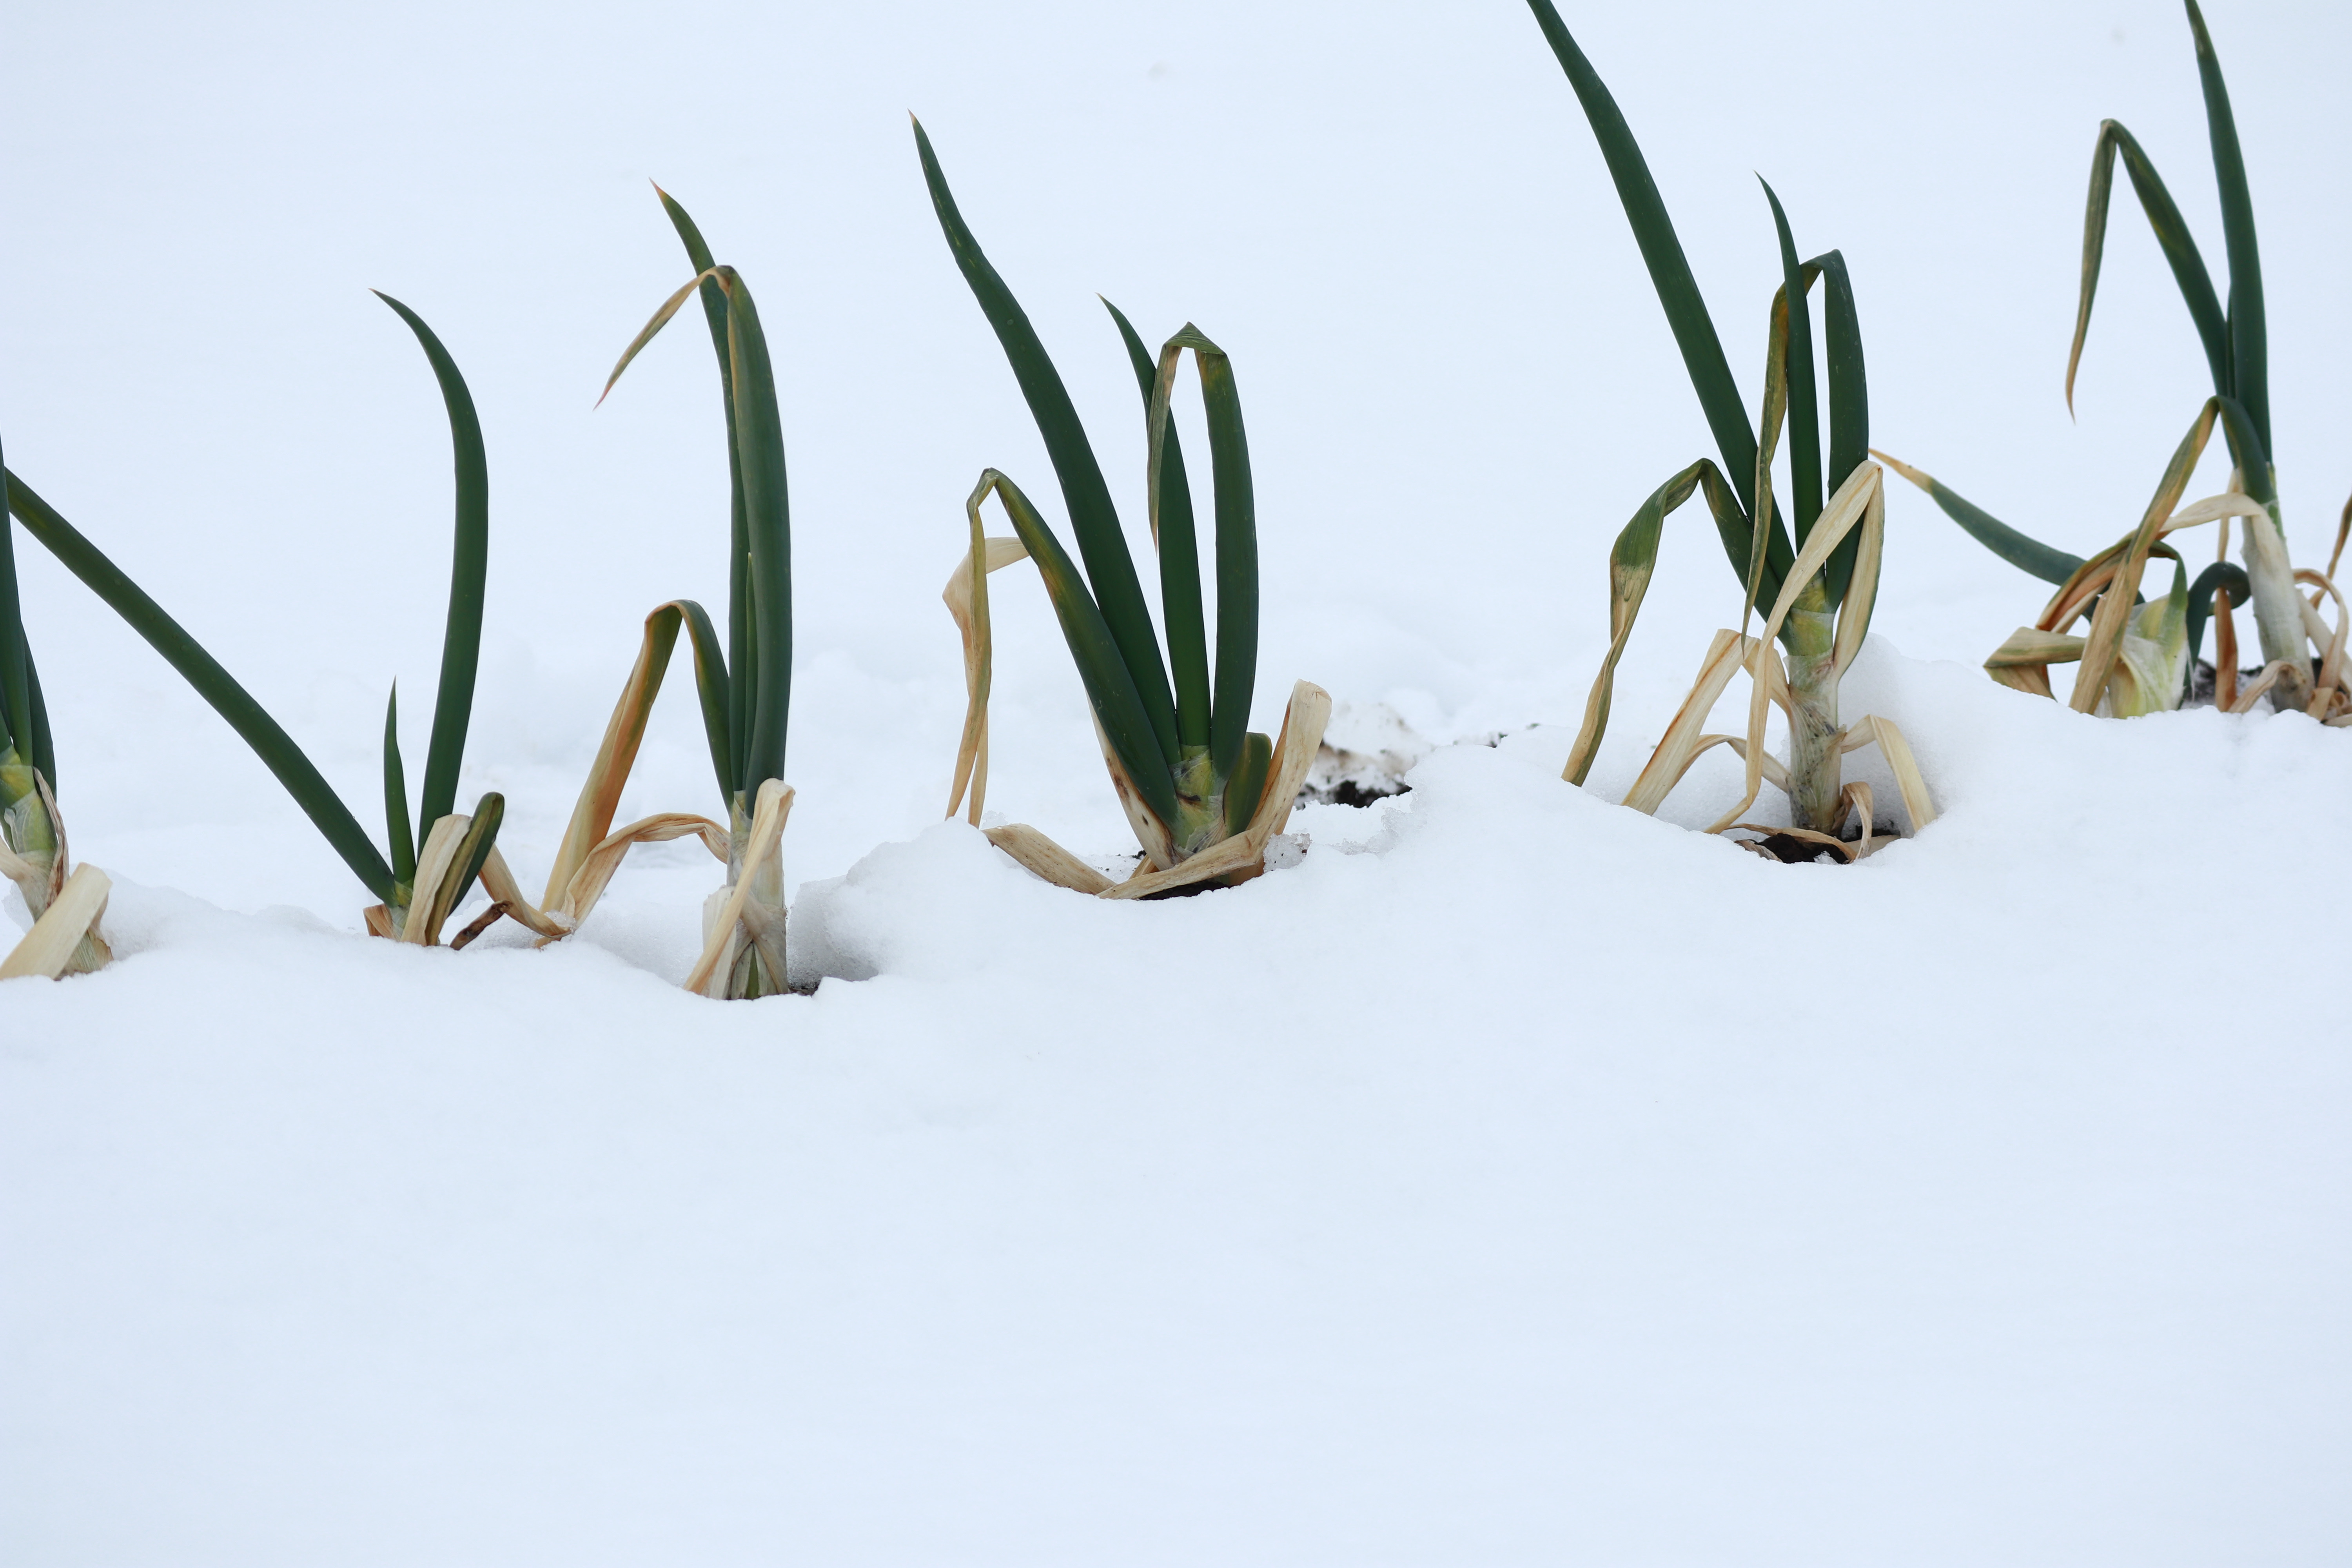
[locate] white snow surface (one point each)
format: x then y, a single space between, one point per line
1514 1179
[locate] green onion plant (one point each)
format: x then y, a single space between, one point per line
1812 569
745 683
1203 792
2148 664
418 884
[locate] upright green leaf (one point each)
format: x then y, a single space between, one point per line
1180 557
1093 519
1236 532
1246 787
1804 404
45 757
270 742
461 641
767 515
1686 314
396 794
742 633
757 443
2249 334
23 718
1849 391
15 658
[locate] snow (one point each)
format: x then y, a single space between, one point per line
1513 1178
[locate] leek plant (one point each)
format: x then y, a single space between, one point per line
745 685
1816 576
418 885
1203 792
66 903
2147 664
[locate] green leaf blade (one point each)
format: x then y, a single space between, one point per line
461 640
711 685
2172 237
268 741
1111 685
1237 577
742 635
2249 329
1849 397
767 513
45 755
401 837
1181 605
16 657
1670 274
2021 550
1094 520
1246 785
2227 576
1804 401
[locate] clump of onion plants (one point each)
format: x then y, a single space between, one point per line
1815 576
418 885
745 685
1204 793
67 903
2135 657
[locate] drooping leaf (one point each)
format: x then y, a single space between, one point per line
2102 644
1632 561
2021 550
2222 576
2172 234
652 327
1110 685
2151 668
712 687
269 742
461 640
1094 520
616 753
481 837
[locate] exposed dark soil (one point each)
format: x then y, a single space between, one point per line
2200 685
1349 792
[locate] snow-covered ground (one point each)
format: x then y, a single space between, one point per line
1515 1179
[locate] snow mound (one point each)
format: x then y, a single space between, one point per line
1490 1184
